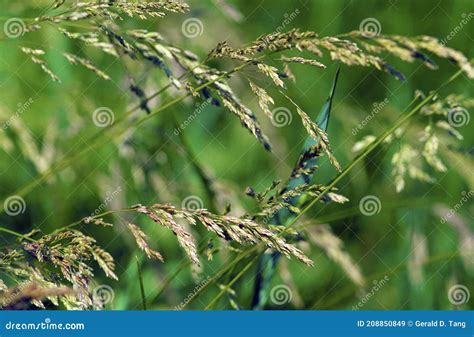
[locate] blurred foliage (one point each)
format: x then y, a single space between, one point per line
152 164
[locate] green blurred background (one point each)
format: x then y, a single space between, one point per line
149 164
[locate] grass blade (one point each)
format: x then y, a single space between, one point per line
140 279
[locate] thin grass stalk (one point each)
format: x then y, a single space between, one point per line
9 231
140 280
228 266
229 284
211 306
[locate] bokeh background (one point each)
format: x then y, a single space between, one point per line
406 243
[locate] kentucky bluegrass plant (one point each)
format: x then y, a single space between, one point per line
62 267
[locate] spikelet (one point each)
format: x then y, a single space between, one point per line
284 199
166 219
151 9
96 221
264 100
58 3
418 257
413 48
247 119
348 49
405 163
240 230
70 253
74 59
141 239
362 144
432 45
91 39
319 135
105 260
288 73
323 237
260 197
301 60
211 83
430 150
303 166
49 263
114 9
271 72
35 57
442 116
